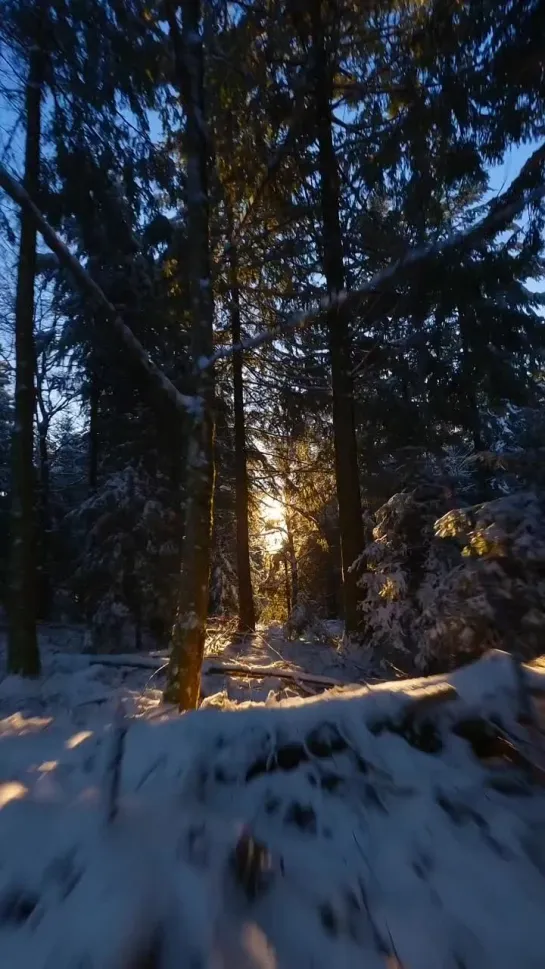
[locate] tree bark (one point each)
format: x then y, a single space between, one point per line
23 654
290 553
43 605
94 395
43 578
344 430
334 574
246 612
287 586
188 635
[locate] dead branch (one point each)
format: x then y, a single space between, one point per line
92 290
236 669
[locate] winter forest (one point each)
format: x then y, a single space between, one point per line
272 391
272 343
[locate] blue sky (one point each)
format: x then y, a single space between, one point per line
502 175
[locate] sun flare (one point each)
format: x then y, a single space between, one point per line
273 520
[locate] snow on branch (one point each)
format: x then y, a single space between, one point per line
89 287
240 669
504 209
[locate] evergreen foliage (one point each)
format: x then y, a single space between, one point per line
215 168
125 580
495 597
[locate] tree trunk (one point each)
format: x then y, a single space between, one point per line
94 394
344 430
188 635
290 552
334 570
289 601
471 405
246 612
23 653
43 605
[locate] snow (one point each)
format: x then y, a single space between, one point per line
352 828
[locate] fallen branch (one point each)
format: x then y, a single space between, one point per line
233 669
307 690
236 669
504 209
90 288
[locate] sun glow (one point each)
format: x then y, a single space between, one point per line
11 791
273 522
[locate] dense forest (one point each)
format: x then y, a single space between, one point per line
271 324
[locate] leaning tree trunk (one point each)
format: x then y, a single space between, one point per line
344 430
23 653
246 612
188 634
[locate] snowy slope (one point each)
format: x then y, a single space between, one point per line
358 828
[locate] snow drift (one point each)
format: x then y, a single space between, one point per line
400 825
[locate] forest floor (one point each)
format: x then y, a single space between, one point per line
391 826
90 686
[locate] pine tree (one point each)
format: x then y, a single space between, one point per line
189 628
23 653
246 613
6 421
344 432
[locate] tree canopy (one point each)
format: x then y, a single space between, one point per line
289 312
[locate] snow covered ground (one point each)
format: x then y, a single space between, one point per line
398 825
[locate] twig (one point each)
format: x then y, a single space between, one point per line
306 689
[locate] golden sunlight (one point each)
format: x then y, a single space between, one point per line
48 766
273 521
78 738
11 791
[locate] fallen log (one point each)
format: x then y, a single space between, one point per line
231 669
236 669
